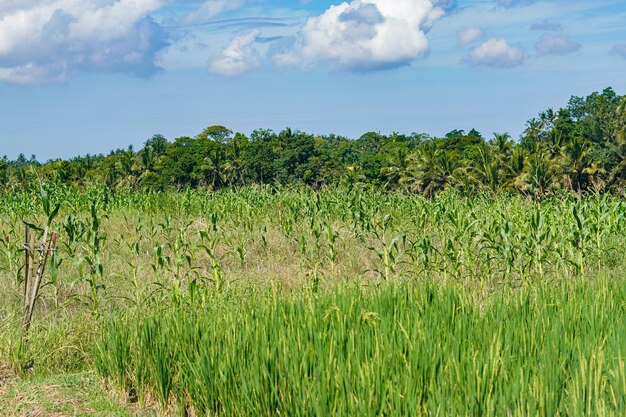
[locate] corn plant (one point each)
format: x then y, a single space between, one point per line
94 276
388 249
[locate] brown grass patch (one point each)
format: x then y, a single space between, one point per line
61 396
7 374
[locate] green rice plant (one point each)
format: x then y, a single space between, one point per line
112 357
399 350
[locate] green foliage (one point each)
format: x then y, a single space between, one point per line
580 148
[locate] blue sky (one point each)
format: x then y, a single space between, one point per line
88 76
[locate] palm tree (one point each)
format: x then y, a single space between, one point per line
488 170
147 158
213 167
491 169
621 115
397 165
517 170
574 157
502 143
542 171
619 146
547 118
593 172
125 166
556 143
531 137
234 166
153 151
431 170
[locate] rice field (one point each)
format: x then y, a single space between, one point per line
288 301
408 350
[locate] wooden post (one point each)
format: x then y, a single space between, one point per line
27 251
32 292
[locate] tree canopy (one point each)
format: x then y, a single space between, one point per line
580 147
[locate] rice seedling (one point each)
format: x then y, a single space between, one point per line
402 350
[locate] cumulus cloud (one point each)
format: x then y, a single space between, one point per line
239 57
366 35
556 45
619 49
546 26
31 73
48 40
469 35
496 53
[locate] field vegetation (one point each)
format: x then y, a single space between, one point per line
330 302
388 276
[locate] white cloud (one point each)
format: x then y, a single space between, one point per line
239 57
496 53
366 34
31 74
211 8
469 35
48 40
556 45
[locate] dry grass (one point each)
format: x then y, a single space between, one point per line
6 376
61 396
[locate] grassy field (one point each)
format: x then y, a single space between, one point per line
337 302
75 394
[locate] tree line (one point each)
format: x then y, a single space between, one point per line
580 147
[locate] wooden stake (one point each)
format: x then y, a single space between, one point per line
44 251
26 267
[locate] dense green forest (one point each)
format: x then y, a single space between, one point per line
580 147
